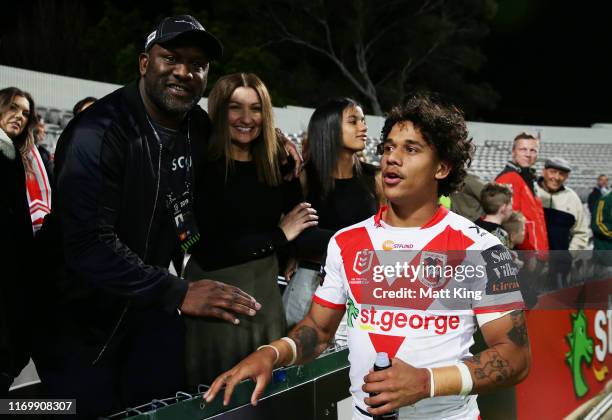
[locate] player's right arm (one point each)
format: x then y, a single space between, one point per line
312 336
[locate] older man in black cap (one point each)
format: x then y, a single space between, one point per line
114 334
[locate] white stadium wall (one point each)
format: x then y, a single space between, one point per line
50 90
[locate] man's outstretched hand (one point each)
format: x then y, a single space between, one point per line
291 150
258 366
209 298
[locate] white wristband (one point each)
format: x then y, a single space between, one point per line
432 384
293 349
467 383
275 350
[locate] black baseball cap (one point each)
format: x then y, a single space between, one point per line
173 27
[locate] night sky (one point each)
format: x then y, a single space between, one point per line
550 61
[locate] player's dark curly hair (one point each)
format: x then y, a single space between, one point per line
442 127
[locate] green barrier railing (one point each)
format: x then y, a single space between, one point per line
306 392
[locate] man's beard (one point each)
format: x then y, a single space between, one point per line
164 101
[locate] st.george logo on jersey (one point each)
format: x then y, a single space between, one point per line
363 261
432 269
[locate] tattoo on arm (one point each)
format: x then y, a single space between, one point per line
491 365
518 332
306 339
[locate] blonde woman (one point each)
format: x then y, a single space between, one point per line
245 212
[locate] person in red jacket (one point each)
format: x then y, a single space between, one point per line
519 175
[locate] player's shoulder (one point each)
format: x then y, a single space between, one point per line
364 224
481 238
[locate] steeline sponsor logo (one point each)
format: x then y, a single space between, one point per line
389 245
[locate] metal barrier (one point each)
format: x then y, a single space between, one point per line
298 392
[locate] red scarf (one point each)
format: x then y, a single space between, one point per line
38 189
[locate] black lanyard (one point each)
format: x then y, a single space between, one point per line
180 204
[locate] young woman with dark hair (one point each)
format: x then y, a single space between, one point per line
245 212
339 186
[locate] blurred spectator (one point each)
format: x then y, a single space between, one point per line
601 223
16 295
240 198
566 222
445 201
466 200
40 133
496 202
519 175
83 104
515 226
599 191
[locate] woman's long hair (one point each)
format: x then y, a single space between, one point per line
265 149
324 145
24 141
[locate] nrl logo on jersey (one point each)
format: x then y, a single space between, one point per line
431 273
363 261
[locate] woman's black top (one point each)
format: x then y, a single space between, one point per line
238 218
351 201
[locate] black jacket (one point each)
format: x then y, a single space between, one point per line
593 198
18 257
108 209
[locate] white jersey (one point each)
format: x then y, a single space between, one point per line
409 292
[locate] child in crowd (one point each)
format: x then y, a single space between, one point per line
496 200
515 228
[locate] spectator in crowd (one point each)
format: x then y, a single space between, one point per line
17 305
339 186
519 175
566 222
112 335
515 226
496 202
425 148
40 133
601 224
466 200
245 178
83 104
599 191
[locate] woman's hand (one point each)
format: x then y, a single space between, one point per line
290 268
301 217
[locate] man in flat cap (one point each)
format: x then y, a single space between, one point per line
566 221
114 333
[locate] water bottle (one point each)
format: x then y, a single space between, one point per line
383 362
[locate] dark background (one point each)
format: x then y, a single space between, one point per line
544 62
550 62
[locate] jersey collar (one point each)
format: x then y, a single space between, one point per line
435 219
